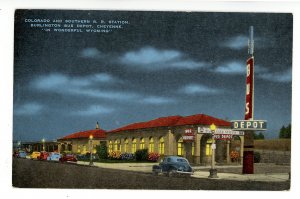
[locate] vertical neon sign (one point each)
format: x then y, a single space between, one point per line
250 79
249 89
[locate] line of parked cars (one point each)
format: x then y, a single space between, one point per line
170 166
46 156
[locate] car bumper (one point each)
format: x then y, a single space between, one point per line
185 172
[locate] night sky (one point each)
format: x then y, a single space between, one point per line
160 64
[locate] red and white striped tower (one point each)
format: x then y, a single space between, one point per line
248 157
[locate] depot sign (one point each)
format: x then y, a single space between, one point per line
249 125
223 136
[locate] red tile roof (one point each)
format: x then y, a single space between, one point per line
97 133
159 122
199 119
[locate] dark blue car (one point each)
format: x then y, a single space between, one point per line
172 166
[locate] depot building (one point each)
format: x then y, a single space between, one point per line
81 142
186 136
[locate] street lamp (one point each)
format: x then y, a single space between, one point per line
213 170
91 150
43 141
19 145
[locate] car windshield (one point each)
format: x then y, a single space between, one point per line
181 160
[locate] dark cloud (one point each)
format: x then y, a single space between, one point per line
149 58
283 76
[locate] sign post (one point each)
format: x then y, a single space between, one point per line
249 125
248 157
213 170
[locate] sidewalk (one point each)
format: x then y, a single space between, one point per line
200 171
139 167
271 177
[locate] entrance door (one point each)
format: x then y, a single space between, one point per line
205 149
188 151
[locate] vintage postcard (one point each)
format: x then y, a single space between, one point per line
152 100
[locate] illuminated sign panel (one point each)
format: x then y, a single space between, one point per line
249 89
189 135
249 125
206 130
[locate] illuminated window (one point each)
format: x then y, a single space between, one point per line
208 150
110 146
193 148
133 145
84 149
117 145
151 144
142 143
180 147
94 148
78 149
161 147
126 145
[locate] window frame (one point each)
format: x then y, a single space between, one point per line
151 144
161 147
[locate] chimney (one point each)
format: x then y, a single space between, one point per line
97 126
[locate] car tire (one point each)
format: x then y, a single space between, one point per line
155 173
172 173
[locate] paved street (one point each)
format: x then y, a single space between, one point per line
40 174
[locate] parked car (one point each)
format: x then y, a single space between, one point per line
54 156
22 154
16 154
43 155
35 155
68 158
172 166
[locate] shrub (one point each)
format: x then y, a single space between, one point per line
234 156
256 157
102 151
81 157
153 157
127 156
141 155
66 152
116 155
